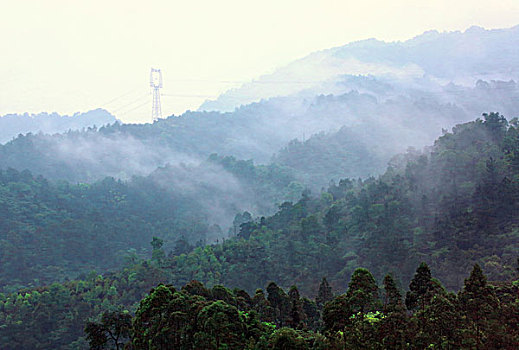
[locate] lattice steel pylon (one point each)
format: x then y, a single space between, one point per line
156 84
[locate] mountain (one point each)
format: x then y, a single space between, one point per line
451 206
458 57
51 231
12 125
378 128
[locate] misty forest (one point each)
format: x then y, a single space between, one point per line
375 209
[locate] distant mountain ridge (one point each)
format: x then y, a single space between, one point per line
458 57
11 125
386 115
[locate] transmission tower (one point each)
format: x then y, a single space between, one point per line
156 84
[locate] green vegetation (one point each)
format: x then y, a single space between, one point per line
481 315
334 156
53 231
453 206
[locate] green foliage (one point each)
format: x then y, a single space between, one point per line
114 327
452 206
420 289
362 292
53 231
325 293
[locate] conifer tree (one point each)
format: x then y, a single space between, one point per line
419 288
262 306
392 296
362 291
297 315
393 327
280 302
479 305
324 295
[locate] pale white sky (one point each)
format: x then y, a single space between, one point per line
68 56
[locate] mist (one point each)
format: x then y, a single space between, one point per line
12 125
334 176
455 57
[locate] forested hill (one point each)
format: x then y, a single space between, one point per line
452 206
12 125
51 231
382 118
434 55
326 157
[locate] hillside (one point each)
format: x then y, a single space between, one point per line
407 118
458 57
52 231
452 205
12 125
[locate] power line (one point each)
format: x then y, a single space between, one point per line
134 108
140 98
186 95
120 96
251 81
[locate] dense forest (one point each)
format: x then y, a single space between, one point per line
451 206
55 230
364 125
356 197
480 315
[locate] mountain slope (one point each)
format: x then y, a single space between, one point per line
12 125
402 118
451 206
53 231
459 57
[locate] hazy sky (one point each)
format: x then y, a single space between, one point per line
68 56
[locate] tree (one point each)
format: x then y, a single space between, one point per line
363 292
392 296
479 305
164 319
324 295
262 306
287 339
157 254
336 313
496 124
297 317
419 288
393 327
220 325
114 327
280 301
442 321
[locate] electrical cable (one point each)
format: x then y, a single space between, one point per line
131 103
134 108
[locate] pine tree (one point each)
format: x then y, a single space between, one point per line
393 326
479 305
392 296
363 291
297 315
280 302
324 295
419 288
